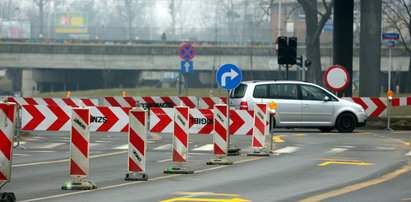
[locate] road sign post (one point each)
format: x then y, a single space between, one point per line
187 52
229 76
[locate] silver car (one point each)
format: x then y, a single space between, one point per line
300 105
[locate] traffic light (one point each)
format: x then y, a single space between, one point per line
282 50
292 50
303 60
287 50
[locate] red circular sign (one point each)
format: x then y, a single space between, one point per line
337 78
187 52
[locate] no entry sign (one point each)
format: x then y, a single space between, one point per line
187 52
336 78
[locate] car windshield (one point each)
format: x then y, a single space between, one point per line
238 92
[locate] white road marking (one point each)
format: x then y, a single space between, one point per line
165 160
286 150
336 150
122 147
207 147
164 147
49 146
408 154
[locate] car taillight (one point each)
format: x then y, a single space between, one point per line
243 106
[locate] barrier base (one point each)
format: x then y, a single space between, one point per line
259 153
134 176
233 151
79 185
178 170
7 197
221 161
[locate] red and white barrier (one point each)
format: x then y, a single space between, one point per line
373 106
119 101
7 131
260 126
79 147
209 102
109 119
180 142
57 118
53 101
137 145
241 122
220 137
46 117
201 121
166 102
79 150
180 138
161 120
401 101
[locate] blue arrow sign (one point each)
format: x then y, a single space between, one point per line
228 76
187 66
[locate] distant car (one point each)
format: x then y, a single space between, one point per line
300 105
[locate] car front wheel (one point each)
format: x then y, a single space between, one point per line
346 123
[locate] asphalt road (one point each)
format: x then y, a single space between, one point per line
369 165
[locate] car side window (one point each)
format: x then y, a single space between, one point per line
260 91
312 93
283 91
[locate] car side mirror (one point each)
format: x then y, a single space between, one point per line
326 99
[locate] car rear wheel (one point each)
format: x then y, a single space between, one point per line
346 123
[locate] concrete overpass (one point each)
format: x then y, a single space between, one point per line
53 67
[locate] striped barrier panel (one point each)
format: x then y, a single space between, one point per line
201 121
166 102
53 101
57 118
119 101
373 106
260 126
209 102
220 138
7 131
401 101
180 138
137 145
79 150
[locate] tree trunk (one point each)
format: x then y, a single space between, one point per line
370 48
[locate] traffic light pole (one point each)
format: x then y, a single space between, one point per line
286 72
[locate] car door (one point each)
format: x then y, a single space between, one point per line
289 112
316 110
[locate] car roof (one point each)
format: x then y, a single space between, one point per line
274 81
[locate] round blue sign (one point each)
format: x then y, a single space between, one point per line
228 76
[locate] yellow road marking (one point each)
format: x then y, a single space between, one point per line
337 160
206 193
406 199
301 134
400 132
358 186
347 163
206 199
362 133
277 138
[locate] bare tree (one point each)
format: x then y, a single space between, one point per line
315 20
41 4
398 15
